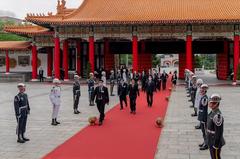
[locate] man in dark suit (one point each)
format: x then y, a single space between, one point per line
133 92
150 88
122 93
40 72
102 98
164 78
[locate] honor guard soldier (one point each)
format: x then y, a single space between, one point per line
91 83
136 77
202 114
193 90
122 93
215 127
76 94
55 97
103 78
150 88
133 93
144 79
197 99
164 78
112 83
102 98
22 110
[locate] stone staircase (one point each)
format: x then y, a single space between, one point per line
15 77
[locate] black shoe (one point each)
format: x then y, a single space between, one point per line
194 114
100 123
76 112
53 122
57 122
134 113
190 100
112 94
26 139
204 147
20 141
188 95
198 127
191 106
201 145
131 112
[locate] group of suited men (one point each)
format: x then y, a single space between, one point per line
211 124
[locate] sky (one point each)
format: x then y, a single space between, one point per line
20 8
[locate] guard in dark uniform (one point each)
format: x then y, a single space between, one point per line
76 94
136 76
156 81
150 88
102 98
91 83
174 80
22 110
41 72
144 79
215 123
202 114
133 93
164 78
112 83
122 93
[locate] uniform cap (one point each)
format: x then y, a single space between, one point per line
100 80
199 81
21 85
194 76
76 77
204 86
91 74
215 98
56 80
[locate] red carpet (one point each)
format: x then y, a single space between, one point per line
122 136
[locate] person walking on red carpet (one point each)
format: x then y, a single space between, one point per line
133 93
122 93
150 88
102 98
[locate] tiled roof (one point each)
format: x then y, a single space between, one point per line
14 45
148 11
27 30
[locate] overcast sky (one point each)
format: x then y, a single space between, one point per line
20 8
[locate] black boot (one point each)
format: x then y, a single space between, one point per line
56 121
204 147
53 122
25 139
20 140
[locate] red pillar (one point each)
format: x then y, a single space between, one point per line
7 62
34 62
57 57
91 52
79 57
65 59
49 62
189 59
135 53
236 56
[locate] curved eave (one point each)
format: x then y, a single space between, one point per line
149 22
15 45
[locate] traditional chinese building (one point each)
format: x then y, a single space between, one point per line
99 30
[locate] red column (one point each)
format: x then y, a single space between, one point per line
236 56
65 59
57 57
49 62
7 62
189 59
135 53
91 52
34 62
79 57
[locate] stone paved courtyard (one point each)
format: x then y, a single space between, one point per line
179 139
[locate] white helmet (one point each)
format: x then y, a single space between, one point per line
204 86
21 85
215 98
199 81
56 80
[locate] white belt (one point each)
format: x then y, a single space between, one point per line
211 132
20 108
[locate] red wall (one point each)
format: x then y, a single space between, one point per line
144 61
223 63
182 65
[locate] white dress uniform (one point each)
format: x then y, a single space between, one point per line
55 97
